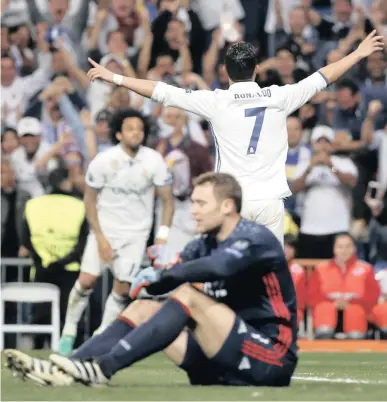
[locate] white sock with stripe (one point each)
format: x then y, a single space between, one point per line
76 305
114 306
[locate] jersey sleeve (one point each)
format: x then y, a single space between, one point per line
296 95
241 255
191 250
96 172
162 175
201 102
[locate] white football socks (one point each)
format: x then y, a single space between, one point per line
114 306
76 305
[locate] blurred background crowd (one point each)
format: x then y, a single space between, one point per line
54 120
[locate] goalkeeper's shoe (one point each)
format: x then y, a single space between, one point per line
87 372
42 372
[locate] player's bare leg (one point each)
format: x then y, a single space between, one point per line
76 305
115 304
214 321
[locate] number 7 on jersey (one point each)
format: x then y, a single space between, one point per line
259 114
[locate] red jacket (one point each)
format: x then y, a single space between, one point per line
299 279
328 279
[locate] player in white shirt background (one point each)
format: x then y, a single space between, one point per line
249 122
121 183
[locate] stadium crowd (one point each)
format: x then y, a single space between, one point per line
54 121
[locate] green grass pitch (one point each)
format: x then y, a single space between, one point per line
319 377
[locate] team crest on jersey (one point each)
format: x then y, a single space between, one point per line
241 244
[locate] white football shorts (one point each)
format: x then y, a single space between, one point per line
125 265
269 213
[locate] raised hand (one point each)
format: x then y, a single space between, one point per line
374 108
161 257
99 72
372 43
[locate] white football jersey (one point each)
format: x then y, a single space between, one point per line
249 127
126 190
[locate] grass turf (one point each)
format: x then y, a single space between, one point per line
319 376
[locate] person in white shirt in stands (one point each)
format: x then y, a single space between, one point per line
248 122
34 159
16 91
121 183
327 181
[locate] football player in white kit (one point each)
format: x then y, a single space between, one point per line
120 187
249 122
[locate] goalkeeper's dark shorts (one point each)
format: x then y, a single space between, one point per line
247 358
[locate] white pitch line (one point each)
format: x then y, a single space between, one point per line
338 380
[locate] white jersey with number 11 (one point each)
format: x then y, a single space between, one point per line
249 128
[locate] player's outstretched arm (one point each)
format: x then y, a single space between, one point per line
372 43
201 102
220 265
142 87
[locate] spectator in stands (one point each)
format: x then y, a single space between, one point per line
298 154
97 136
348 117
62 24
116 45
287 67
12 207
54 232
301 40
378 229
174 43
214 69
309 117
342 284
367 164
326 180
9 141
34 158
22 49
59 116
331 31
119 15
378 16
215 14
98 91
379 312
176 135
298 275
17 91
375 85
183 226
172 19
